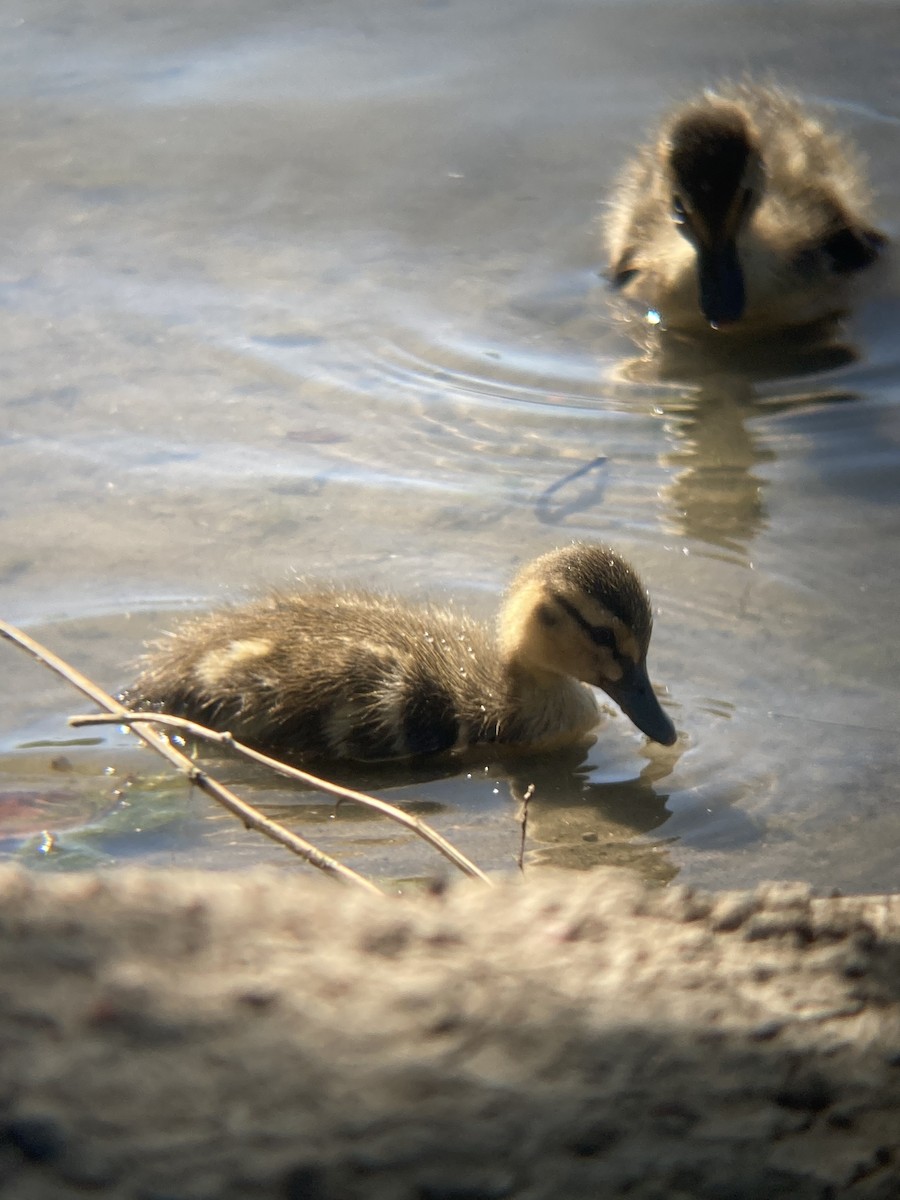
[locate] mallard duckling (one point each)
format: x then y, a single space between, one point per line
744 211
349 674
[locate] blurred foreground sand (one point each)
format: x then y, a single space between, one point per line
188 1036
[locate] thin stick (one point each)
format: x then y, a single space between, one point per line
193 729
251 817
523 822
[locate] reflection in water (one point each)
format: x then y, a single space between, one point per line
715 495
676 358
571 821
50 788
378 777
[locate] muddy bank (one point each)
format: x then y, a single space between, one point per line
190 1036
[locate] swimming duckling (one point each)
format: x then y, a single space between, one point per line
349 674
745 209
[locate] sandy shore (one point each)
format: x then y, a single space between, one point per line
195 1036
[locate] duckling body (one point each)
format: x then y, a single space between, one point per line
744 213
353 675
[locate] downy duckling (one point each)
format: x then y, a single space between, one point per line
353 675
744 211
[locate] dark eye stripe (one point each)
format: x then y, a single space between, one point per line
547 616
600 635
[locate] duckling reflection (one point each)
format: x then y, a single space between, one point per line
744 213
783 354
716 496
353 675
570 821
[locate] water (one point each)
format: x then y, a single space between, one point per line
314 290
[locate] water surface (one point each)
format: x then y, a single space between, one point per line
314 290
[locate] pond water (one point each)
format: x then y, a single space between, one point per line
313 289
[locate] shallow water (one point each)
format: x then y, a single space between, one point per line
315 290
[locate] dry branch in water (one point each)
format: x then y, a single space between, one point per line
117 713
193 729
251 817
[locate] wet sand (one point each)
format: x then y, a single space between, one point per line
184 1036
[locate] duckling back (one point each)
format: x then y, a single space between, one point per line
337 674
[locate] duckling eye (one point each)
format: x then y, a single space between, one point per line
601 636
744 202
679 212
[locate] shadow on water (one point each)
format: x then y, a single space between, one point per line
581 489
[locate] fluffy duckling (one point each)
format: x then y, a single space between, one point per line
352 675
745 211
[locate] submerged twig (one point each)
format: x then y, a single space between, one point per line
193 729
251 817
523 825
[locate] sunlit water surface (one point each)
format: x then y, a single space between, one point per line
313 289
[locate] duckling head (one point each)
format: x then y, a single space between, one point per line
582 612
714 170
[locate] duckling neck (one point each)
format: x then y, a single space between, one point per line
541 708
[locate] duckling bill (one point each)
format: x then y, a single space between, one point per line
744 211
716 168
354 675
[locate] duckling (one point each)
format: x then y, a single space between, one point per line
744 212
352 675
